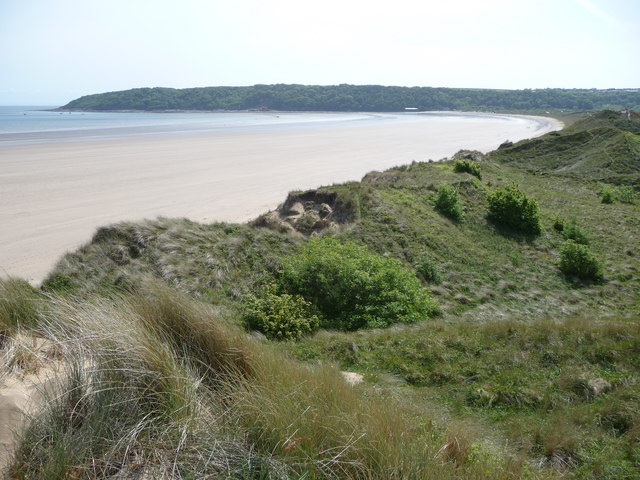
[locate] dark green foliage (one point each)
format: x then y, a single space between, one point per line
572 231
511 208
353 288
448 202
622 193
428 269
279 316
626 194
558 224
577 260
468 166
372 98
607 195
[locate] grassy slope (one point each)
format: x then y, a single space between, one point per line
604 146
512 356
498 273
158 385
217 262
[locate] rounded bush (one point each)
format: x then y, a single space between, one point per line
621 193
577 260
279 316
572 231
448 202
428 269
351 287
468 166
558 224
511 208
608 195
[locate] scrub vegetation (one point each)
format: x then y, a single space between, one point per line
503 344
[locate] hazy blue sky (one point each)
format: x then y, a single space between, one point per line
52 51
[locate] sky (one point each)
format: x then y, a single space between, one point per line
53 51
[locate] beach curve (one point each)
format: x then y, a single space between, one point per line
54 195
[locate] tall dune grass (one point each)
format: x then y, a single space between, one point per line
19 304
131 399
158 383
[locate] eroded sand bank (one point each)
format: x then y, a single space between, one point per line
54 195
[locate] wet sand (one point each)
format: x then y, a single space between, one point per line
54 195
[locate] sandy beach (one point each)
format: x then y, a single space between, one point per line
54 195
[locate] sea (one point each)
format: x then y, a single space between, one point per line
24 125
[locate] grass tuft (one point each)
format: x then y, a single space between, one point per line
19 305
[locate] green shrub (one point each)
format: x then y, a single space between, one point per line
622 193
577 260
448 202
607 194
626 194
428 269
510 207
572 231
352 287
468 166
279 316
558 224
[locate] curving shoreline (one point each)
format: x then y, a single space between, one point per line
55 195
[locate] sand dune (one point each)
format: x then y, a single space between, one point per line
53 196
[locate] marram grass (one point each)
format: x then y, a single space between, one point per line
158 383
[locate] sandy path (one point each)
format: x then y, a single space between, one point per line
53 196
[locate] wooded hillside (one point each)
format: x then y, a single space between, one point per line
373 98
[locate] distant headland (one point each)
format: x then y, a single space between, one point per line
349 98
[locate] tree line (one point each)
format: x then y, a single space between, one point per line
344 97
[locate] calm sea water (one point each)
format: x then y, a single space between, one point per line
34 124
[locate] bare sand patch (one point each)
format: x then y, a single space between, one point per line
53 196
27 375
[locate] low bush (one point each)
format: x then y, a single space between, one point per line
577 260
468 166
279 316
427 268
572 231
622 193
352 287
626 194
448 202
607 194
511 208
558 224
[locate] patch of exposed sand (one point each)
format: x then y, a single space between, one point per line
27 373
